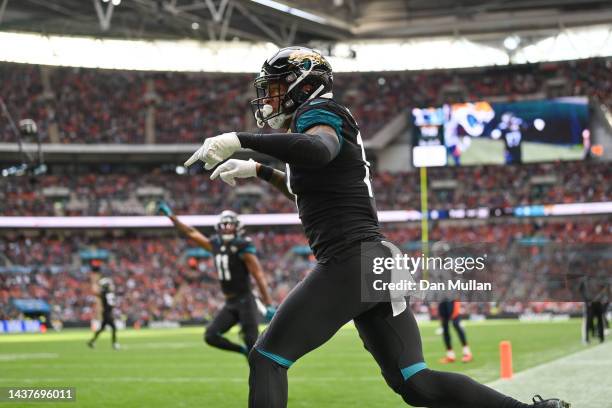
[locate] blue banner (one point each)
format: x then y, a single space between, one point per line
31 305
19 326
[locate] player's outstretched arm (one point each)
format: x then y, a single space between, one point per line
97 307
254 267
185 229
315 148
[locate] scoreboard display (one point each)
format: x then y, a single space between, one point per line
428 126
428 137
486 132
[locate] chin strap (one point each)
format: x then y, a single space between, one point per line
301 77
278 121
260 115
317 92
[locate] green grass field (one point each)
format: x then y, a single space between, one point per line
174 368
489 151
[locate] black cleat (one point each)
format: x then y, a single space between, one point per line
539 402
90 344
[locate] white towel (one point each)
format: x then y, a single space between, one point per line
398 297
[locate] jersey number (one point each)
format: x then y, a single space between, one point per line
222 262
110 299
366 179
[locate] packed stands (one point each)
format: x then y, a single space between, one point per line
463 187
104 106
155 281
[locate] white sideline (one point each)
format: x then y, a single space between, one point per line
583 379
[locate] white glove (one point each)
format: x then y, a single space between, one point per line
215 150
233 169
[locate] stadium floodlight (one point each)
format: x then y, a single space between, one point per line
343 50
116 2
371 55
291 10
195 25
512 42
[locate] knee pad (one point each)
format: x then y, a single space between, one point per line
394 381
411 390
256 359
417 391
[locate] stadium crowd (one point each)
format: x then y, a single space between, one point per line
157 279
450 188
104 106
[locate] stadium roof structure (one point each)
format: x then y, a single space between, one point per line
297 21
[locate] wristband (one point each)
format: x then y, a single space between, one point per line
265 173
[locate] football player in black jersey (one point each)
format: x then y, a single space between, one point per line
106 292
329 177
511 128
235 259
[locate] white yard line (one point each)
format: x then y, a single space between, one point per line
26 356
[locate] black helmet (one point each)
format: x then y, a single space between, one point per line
106 284
229 225
306 74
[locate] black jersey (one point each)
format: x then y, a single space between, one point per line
336 202
107 297
231 269
513 138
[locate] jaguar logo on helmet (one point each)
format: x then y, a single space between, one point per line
307 58
296 75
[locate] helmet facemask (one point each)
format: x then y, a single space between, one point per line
267 99
228 226
227 230
287 101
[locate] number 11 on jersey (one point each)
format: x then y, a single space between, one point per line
222 262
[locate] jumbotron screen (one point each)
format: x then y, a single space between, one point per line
505 132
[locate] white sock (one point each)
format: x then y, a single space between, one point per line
466 350
450 354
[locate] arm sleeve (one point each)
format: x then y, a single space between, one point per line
300 149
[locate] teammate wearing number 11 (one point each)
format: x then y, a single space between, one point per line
235 259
